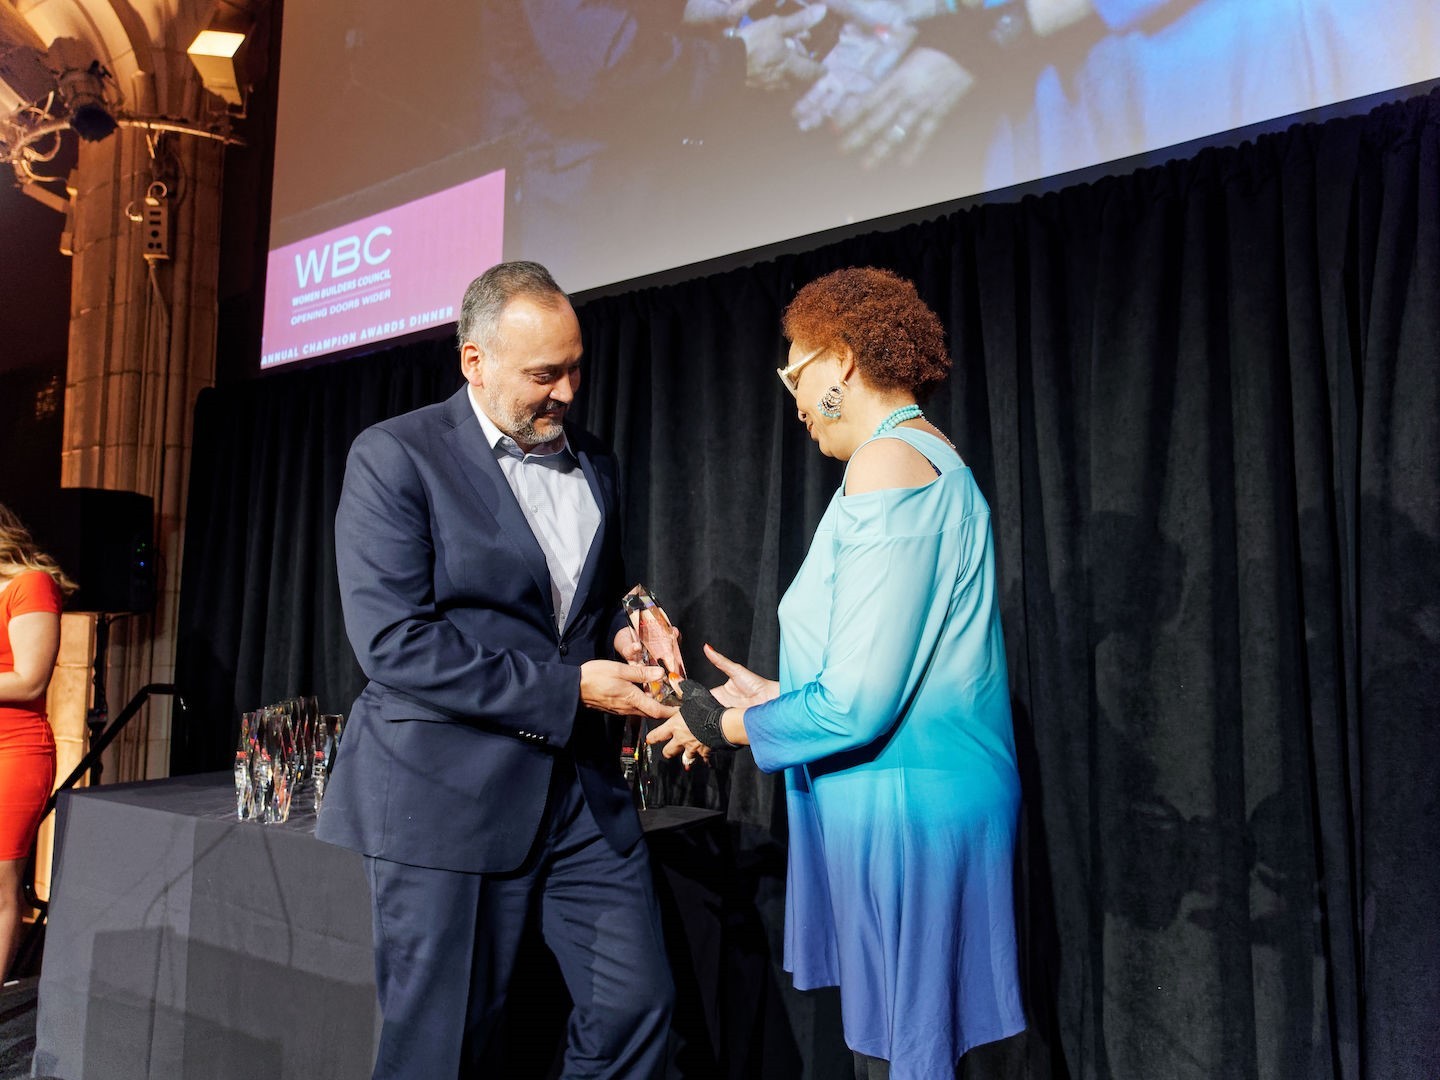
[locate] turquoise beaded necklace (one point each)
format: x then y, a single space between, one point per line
898 417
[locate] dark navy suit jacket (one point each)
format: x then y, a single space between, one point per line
473 695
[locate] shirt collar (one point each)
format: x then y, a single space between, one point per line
501 443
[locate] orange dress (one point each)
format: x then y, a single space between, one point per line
27 749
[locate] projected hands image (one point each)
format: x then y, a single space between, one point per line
618 139
876 90
890 77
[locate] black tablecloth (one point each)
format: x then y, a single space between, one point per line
184 943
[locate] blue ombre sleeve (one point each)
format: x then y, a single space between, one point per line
883 629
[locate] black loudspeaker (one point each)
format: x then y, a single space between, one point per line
105 540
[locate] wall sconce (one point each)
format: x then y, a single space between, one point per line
216 53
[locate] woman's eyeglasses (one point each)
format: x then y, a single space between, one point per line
790 376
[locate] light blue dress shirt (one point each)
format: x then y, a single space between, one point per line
556 499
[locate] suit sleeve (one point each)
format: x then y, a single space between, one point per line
385 556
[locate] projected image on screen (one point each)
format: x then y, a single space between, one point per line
634 137
382 276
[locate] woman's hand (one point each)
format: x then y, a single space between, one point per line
905 110
678 739
742 687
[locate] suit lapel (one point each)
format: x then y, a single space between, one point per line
466 440
600 488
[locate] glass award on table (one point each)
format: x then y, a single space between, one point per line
282 750
659 647
327 740
245 765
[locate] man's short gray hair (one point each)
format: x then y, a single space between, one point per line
487 295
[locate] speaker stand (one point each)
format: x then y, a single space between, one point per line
98 715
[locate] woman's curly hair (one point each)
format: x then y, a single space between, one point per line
898 342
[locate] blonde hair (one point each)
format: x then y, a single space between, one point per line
18 553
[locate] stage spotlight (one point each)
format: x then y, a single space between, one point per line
84 95
216 54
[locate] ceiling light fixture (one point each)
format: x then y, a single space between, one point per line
217 53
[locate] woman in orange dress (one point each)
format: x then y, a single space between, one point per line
31 589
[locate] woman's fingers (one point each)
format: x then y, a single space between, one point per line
723 662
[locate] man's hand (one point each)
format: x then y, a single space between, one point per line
627 646
614 687
774 57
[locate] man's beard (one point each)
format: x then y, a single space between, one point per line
525 426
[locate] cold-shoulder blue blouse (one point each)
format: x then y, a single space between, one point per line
893 726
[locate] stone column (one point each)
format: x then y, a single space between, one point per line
142 346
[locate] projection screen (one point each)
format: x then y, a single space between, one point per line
419 143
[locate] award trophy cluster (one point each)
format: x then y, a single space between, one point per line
283 749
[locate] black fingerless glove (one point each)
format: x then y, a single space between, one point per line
702 713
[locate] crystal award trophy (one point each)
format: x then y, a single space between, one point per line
659 644
283 749
659 647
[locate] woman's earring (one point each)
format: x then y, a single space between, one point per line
830 402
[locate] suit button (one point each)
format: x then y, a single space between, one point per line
564 650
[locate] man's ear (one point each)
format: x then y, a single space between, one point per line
471 362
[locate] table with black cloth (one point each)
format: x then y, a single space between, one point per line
183 943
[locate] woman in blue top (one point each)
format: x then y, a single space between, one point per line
891 716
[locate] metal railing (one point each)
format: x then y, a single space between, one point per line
30 944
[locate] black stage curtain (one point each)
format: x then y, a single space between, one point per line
1202 400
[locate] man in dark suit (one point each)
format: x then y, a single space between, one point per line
478 549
